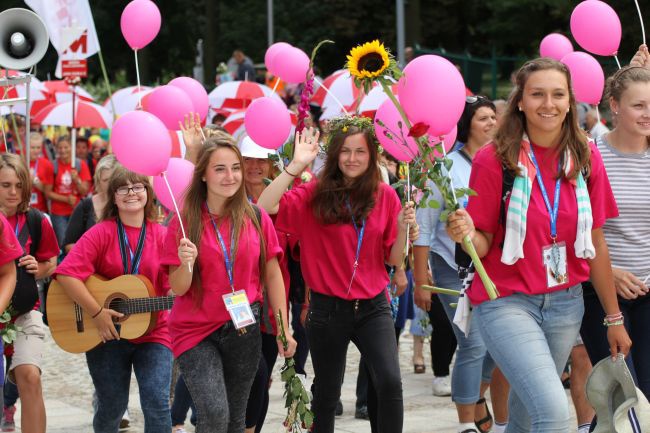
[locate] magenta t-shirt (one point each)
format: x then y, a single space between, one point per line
327 252
528 275
48 247
98 252
188 324
10 248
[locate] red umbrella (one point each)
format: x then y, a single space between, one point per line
237 95
61 91
341 86
87 114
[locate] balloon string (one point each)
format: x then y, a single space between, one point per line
638 9
202 135
275 86
180 221
137 75
408 199
332 95
597 114
617 62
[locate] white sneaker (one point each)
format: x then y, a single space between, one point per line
441 386
179 430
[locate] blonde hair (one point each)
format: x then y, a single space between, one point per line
16 163
108 162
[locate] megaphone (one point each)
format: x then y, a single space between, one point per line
23 39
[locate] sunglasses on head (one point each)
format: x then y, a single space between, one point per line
473 99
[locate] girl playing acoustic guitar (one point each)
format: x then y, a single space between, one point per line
126 241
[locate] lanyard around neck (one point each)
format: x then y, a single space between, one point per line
124 246
360 232
552 211
229 260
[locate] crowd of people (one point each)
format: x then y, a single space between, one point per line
557 219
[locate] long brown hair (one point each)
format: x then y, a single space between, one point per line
122 176
329 201
237 208
15 162
509 135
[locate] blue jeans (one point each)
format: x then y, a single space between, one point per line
530 337
110 367
473 363
59 224
637 323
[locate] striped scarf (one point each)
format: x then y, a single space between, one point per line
518 208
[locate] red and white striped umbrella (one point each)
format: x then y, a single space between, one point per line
371 102
237 95
87 114
38 97
61 91
127 101
341 86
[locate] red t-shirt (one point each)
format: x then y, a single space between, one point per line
189 325
43 169
98 252
528 274
63 185
48 247
10 248
327 252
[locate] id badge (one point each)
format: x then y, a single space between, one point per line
239 309
33 198
555 263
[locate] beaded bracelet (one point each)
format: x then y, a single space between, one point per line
613 321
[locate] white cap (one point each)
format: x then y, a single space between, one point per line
250 149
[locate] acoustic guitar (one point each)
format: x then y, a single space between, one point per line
74 330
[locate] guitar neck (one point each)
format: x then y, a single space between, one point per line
146 305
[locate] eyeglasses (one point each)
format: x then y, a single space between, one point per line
124 190
473 99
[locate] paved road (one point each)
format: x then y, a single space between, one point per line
68 396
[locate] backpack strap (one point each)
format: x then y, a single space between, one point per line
55 166
508 180
34 224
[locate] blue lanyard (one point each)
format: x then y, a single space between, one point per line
552 212
16 227
124 245
227 258
359 234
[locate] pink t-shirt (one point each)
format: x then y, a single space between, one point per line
47 247
41 168
528 274
98 252
327 252
188 324
10 248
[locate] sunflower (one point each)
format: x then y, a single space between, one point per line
369 60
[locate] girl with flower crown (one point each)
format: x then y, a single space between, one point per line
550 241
349 225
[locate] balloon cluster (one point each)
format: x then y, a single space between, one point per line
596 28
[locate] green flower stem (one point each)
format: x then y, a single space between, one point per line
441 290
490 288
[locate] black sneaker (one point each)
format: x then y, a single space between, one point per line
362 413
339 408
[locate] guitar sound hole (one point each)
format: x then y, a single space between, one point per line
118 305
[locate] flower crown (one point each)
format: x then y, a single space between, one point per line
342 124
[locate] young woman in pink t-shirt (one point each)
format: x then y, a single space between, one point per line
349 224
550 242
127 240
38 262
215 321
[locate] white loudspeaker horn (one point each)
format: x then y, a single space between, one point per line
23 39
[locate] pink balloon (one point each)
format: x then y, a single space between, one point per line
140 23
449 139
555 46
271 52
179 173
290 64
387 123
432 91
268 122
141 143
196 92
170 104
596 27
587 76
